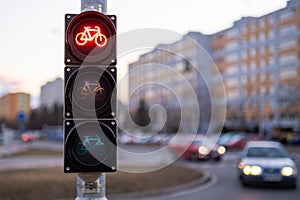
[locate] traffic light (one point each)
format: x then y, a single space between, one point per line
90 145
90 128
90 38
90 92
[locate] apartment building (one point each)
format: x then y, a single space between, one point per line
13 105
52 93
163 76
259 59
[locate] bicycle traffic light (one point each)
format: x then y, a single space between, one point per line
92 146
90 92
90 38
90 128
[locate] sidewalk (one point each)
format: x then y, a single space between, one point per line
13 163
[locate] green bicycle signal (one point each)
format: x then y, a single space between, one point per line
90 144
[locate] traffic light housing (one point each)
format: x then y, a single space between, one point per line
90 146
90 76
90 38
90 92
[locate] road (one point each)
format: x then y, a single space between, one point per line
225 185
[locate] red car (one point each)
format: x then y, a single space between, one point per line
239 141
199 148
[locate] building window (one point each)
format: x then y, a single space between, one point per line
252 52
262 89
232 45
271 90
252 39
232 33
252 65
262 78
233 69
232 82
287 58
262 23
291 28
262 63
261 51
244 54
233 57
253 26
231 94
244 80
287 44
271 34
261 36
272 20
288 73
286 14
244 67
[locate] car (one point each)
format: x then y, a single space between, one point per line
200 148
237 141
28 137
226 138
266 163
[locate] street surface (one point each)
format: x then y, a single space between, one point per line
224 183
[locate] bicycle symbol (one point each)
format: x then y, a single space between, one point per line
90 144
83 37
86 90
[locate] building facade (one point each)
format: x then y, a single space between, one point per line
14 105
259 59
52 93
172 75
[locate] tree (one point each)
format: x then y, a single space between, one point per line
141 116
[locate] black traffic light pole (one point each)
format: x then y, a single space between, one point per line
92 185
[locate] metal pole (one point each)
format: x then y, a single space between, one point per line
99 5
91 186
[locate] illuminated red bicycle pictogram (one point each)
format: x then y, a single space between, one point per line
91 34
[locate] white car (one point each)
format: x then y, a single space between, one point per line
266 163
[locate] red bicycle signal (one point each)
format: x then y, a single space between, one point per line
86 36
90 38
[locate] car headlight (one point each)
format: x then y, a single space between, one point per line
287 171
252 170
256 170
221 150
203 150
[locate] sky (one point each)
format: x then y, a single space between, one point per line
32 31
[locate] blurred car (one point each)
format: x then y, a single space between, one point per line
292 138
266 162
200 148
225 138
125 139
28 137
237 140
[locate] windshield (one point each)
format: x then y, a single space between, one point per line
266 152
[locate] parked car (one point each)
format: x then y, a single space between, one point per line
225 138
237 140
200 148
28 137
266 162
